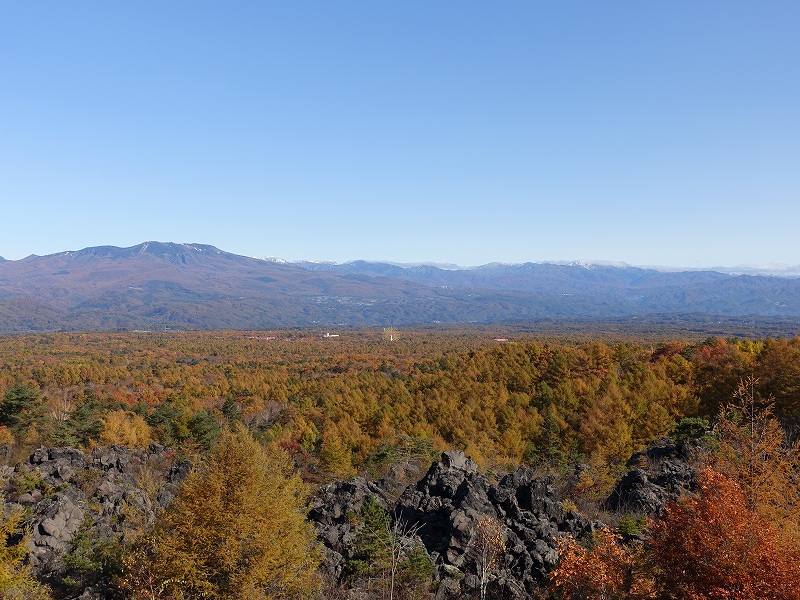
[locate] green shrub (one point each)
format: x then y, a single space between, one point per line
632 525
690 428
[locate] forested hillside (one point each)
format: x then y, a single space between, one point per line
323 409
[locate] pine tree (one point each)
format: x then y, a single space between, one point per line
387 558
21 409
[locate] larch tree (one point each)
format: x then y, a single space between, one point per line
754 451
237 530
16 581
125 428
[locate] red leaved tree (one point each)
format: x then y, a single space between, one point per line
715 547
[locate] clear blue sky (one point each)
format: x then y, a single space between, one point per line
464 132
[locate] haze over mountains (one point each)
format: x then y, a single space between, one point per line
193 286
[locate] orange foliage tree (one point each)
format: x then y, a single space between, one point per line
607 570
715 547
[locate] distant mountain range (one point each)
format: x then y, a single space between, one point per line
194 286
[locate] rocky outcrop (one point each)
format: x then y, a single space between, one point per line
445 505
453 496
332 510
68 492
661 473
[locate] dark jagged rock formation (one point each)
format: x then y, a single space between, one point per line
447 503
69 493
332 509
669 476
451 499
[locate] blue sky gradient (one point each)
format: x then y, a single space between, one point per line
654 133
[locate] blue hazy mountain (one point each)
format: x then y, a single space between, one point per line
197 286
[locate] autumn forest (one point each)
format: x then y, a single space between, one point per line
319 409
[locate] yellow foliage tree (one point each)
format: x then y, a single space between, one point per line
236 530
754 451
605 429
334 455
16 582
125 429
6 437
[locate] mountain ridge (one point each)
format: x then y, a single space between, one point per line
199 286
778 270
